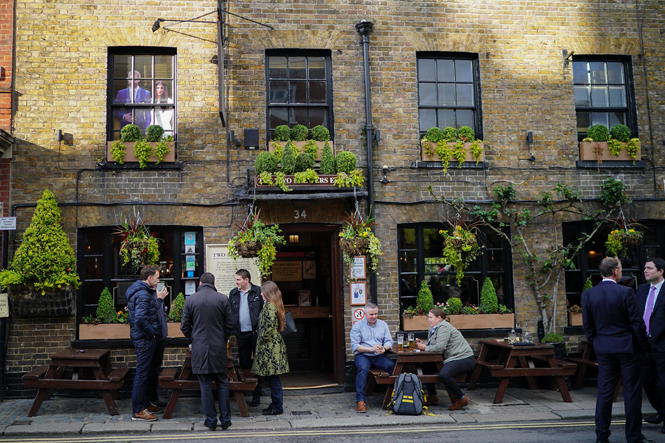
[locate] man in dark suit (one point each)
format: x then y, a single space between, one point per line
651 301
207 323
613 326
133 94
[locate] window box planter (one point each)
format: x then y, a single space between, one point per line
174 330
129 152
325 181
112 331
415 323
300 145
467 146
482 321
588 153
574 319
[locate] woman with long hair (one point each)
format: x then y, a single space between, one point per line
163 115
270 358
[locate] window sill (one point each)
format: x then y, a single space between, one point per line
104 165
610 164
418 164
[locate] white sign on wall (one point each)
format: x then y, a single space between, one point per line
7 223
223 267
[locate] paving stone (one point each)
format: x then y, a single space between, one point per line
171 426
109 428
52 429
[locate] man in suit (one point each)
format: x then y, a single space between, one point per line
613 326
207 323
133 94
246 305
651 301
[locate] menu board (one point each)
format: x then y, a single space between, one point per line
287 271
223 267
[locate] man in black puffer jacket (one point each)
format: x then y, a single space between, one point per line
145 330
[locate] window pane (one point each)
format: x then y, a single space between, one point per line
446 118
465 95
617 118
298 117
317 92
597 72
433 242
463 72
426 70
582 96
317 68
278 117
580 72
408 238
317 116
164 66
446 94
408 261
298 92
599 118
494 260
615 73
427 94
427 119
599 96
408 287
125 97
465 118
162 92
143 64
583 121
163 116
297 67
617 96
122 64
277 67
278 92
445 70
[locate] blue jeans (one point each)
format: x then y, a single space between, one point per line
145 349
208 402
276 394
363 363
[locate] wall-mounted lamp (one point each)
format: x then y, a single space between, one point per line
529 137
377 135
385 180
294 239
235 140
566 57
592 254
58 135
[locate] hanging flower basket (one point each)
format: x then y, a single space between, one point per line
138 245
620 240
357 238
354 246
255 239
460 248
248 249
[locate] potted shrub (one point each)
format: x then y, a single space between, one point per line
415 319
452 144
256 240
107 324
601 145
134 148
138 245
357 238
575 311
348 176
41 278
488 315
175 316
556 340
298 136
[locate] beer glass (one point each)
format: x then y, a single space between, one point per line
411 341
400 342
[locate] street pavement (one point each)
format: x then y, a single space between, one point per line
303 409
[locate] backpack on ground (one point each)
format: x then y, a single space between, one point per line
407 395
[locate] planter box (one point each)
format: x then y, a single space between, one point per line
482 321
300 145
574 319
416 323
104 331
26 302
435 158
174 330
131 158
587 152
325 181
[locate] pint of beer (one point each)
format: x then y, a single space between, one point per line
400 342
411 341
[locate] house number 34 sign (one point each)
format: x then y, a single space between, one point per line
297 214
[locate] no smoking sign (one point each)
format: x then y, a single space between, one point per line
358 314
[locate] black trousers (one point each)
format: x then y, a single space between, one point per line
152 382
448 373
654 381
246 346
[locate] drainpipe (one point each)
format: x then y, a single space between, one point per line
364 28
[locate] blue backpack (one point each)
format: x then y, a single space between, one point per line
407 395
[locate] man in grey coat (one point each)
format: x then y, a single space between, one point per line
207 323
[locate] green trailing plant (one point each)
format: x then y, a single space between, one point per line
304 161
279 150
613 193
282 133
353 179
459 153
345 162
320 133
614 146
138 245
161 150
154 133
598 133
632 147
450 134
142 152
130 133
311 148
105 308
620 132
327 160
280 180
256 239
265 178
466 134
299 133
476 151
175 313
460 247
444 153
488 300
169 138
118 152
306 176
265 162
45 259
289 159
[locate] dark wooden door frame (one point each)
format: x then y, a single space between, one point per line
337 308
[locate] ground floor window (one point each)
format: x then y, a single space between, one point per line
421 258
100 265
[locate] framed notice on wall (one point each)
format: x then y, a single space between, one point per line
224 268
358 293
357 268
287 271
304 298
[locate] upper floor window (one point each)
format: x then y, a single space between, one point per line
142 89
299 89
603 93
449 91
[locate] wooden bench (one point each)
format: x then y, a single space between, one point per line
380 377
588 360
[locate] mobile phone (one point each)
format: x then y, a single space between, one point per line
160 286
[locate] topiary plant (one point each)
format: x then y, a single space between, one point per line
434 135
345 162
466 134
320 133
620 132
299 133
311 147
282 133
598 133
327 161
265 162
130 133
289 159
587 285
454 305
105 307
425 300
175 313
304 161
450 134
154 133
142 152
488 300
45 258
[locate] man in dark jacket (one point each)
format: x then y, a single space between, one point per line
207 323
614 328
145 330
246 305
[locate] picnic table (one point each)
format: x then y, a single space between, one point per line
588 360
178 379
505 360
81 362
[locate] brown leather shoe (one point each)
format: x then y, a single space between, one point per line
432 400
154 409
459 404
144 415
362 407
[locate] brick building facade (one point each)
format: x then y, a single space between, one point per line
509 67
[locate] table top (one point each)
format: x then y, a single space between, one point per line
505 345
415 353
76 354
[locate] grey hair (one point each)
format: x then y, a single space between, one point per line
370 305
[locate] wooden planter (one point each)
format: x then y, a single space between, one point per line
131 158
174 330
482 321
325 181
435 158
300 145
574 319
416 323
104 331
588 153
